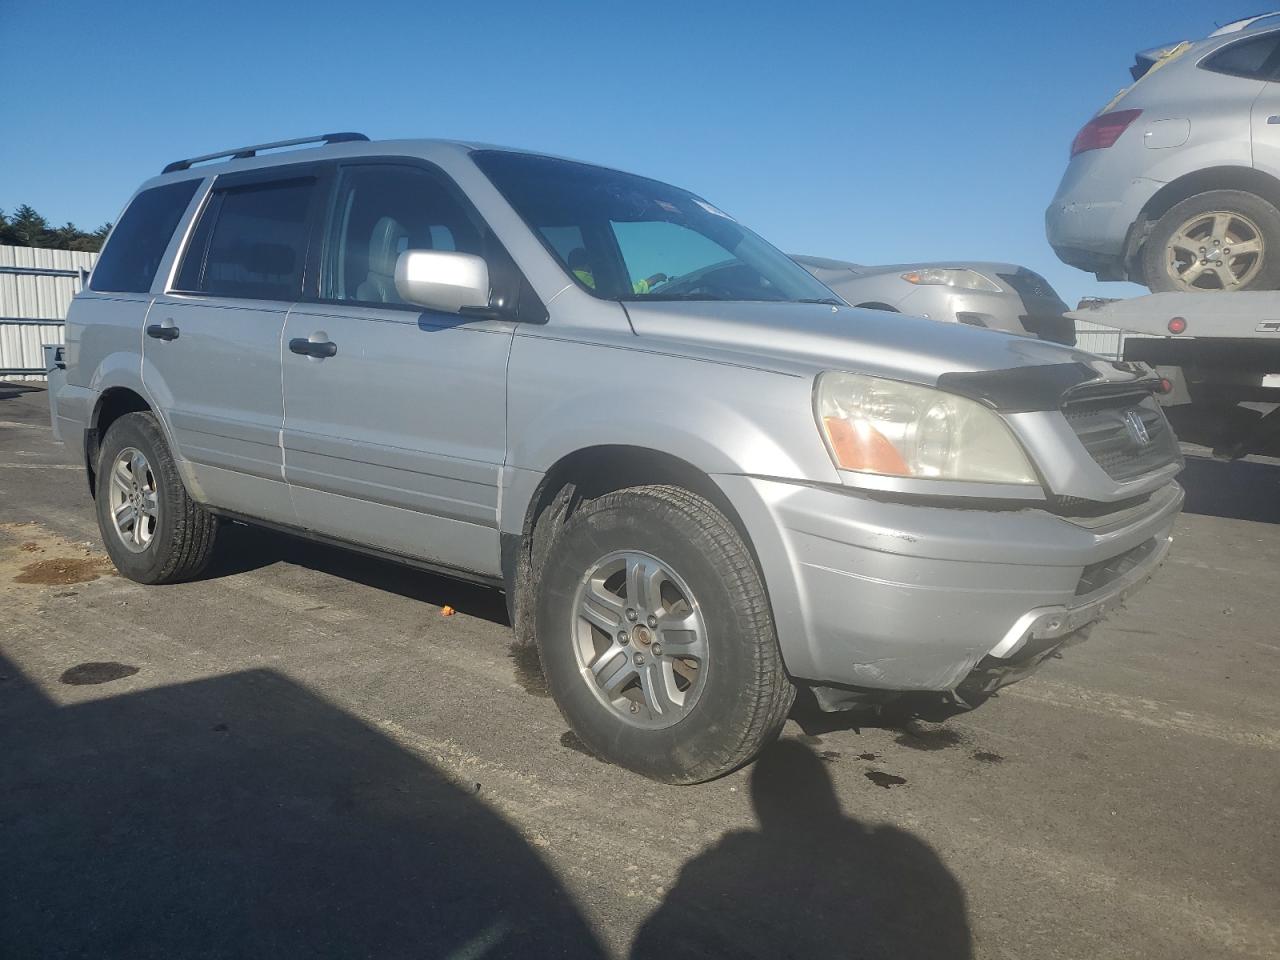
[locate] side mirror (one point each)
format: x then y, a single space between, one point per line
443 280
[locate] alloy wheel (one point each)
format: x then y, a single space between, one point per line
134 500
1220 250
640 639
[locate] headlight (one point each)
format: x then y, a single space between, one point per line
898 429
953 277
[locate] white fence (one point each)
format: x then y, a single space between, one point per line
36 287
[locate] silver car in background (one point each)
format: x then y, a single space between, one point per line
998 296
1176 182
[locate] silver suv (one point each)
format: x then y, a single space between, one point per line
1176 182
702 481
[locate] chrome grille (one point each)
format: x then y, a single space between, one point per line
1108 429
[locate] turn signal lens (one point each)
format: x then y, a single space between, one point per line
1177 325
860 446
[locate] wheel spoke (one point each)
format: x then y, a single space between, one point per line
138 464
601 607
1192 274
120 483
1246 246
644 583
1184 241
123 513
1224 275
683 642
150 504
613 670
654 678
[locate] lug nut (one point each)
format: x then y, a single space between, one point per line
651 620
657 649
635 708
631 615
638 659
622 637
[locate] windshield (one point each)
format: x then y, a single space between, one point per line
623 237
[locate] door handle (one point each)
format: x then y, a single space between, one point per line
313 348
163 331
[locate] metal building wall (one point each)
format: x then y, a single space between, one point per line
36 287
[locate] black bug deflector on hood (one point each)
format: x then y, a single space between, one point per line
1048 386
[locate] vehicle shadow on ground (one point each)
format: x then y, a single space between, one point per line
242 548
244 816
811 882
1236 489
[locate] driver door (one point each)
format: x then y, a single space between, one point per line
395 433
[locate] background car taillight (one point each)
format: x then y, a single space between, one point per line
1103 130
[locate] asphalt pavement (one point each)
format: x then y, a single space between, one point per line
302 755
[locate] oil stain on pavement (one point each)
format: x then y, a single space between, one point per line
86 674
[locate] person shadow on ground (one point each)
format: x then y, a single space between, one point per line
810 883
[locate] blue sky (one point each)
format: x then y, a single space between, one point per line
872 132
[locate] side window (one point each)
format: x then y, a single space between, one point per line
138 242
1248 58
251 242
379 212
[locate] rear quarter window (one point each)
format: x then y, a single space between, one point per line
129 262
1254 59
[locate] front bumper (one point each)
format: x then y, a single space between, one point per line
895 596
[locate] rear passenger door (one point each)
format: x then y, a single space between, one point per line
395 417
212 346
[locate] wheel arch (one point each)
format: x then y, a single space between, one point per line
1246 179
112 404
581 475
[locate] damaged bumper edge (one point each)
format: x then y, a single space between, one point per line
1050 623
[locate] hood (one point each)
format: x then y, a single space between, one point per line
808 338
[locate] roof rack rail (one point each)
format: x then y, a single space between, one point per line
241 153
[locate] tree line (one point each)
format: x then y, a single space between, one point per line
26 228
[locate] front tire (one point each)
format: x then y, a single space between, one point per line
153 531
1221 240
656 636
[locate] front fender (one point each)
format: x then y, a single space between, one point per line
721 418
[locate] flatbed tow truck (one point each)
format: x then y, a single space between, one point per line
1219 352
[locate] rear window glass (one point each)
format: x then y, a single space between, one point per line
1248 58
251 242
139 240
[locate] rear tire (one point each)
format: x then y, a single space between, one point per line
715 711
153 531
1190 248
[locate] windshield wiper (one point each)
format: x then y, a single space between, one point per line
832 301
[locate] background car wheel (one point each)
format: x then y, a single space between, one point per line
1220 240
656 637
153 531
